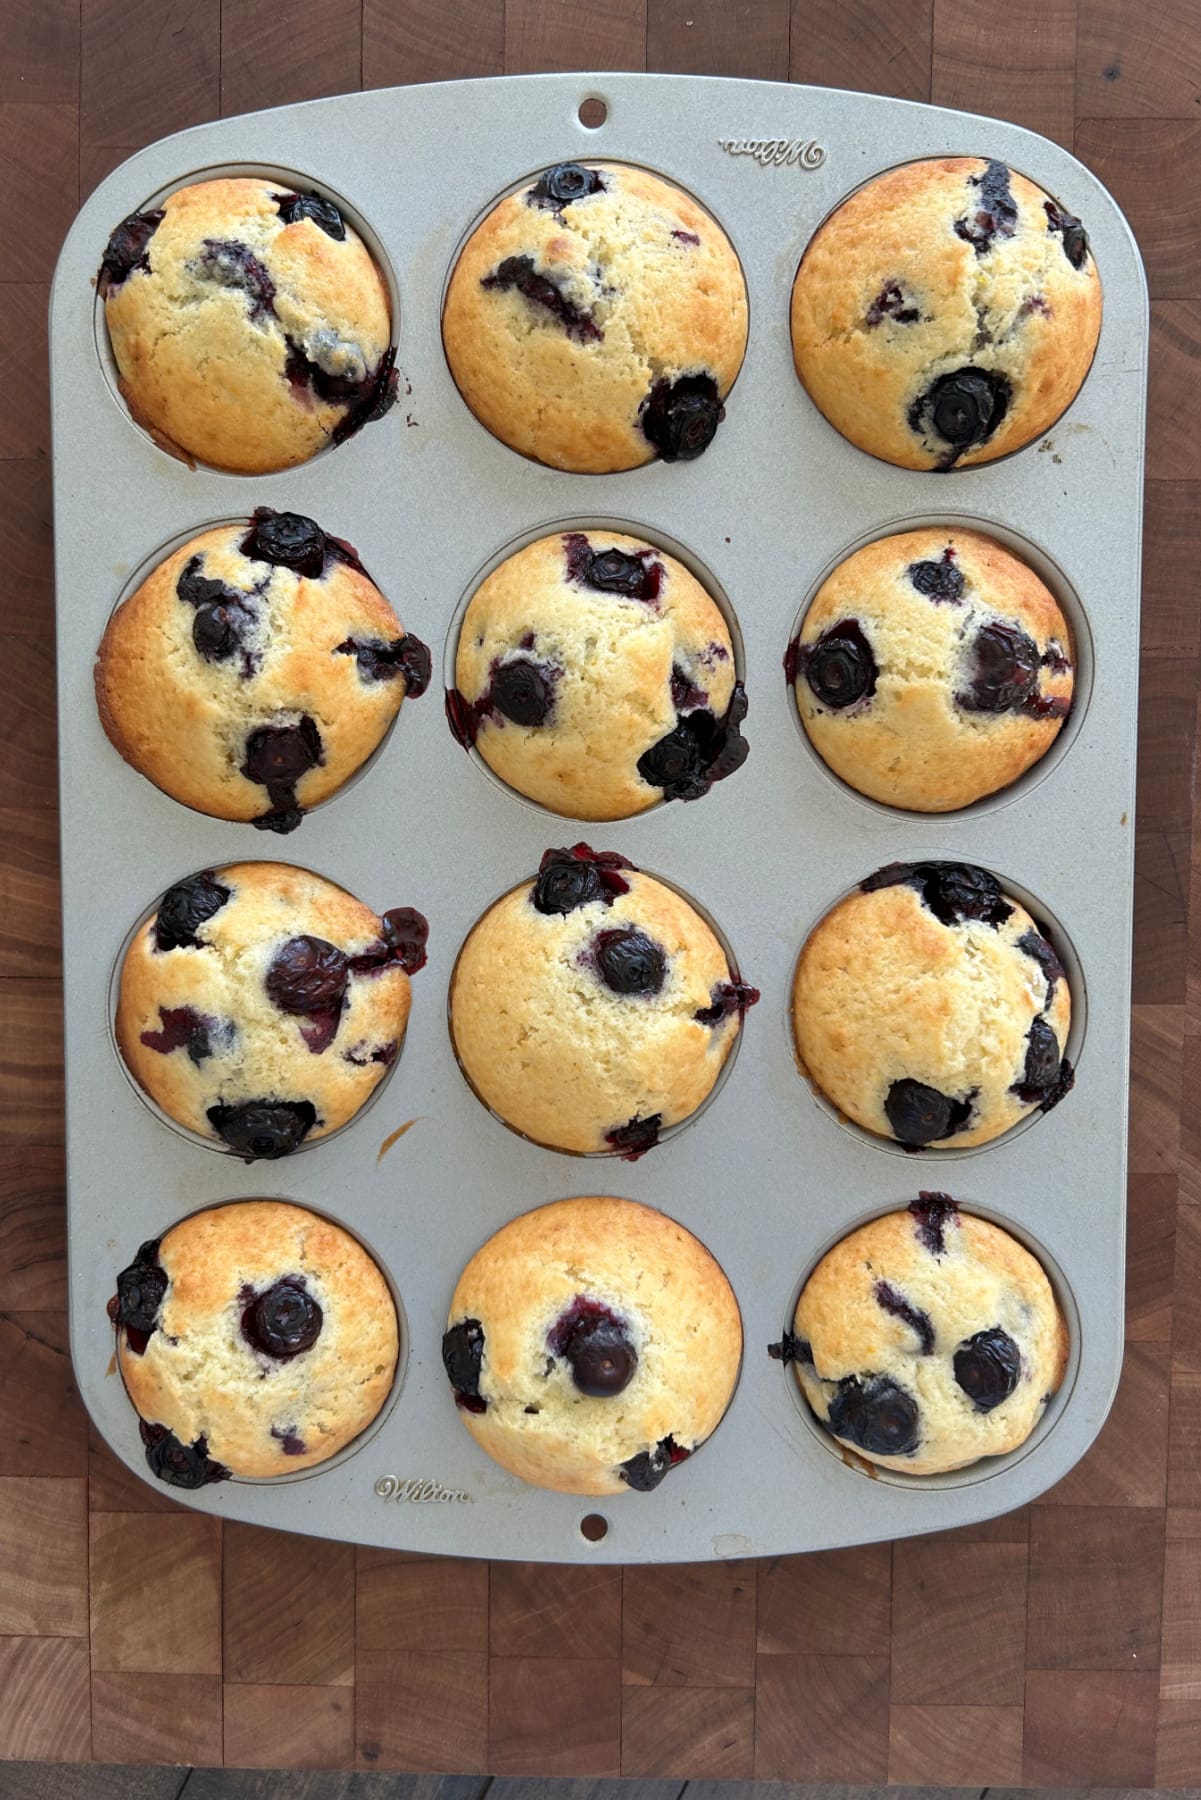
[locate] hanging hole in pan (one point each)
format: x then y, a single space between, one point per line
592 114
594 1527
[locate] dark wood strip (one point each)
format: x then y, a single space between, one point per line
1016 62
541 35
147 68
858 44
719 37
1138 62
1131 157
271 58
427 40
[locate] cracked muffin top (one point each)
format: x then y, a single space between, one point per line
596 676
597 319
261 1005
946 314
932 668
927 1339
250 326
592 1346
254 1339
255 670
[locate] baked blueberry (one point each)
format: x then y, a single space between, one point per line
680 417
217 631
1075 238
726 998
184 908
635 1137
307 975
234 265
277 756
1037 946
840 667
629 962
284 1320
541 291
988 1367
918 1321
596 1346
1040 1071
891 303
263 1129
875 1413
635 574
379 661
645 1471
179 1465
993 214
791 1348
181 1028
920 1115
932 1214
462 1358
575 877
941 580
953 891
126 249
288 540
565 183
522 690
140 1290
294 207
962 409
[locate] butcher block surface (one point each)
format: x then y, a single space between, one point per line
1059 1646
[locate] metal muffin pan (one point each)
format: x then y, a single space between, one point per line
765 1176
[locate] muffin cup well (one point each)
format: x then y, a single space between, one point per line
152 1105
988 1467
292 181
1083 659
369 1431
130 586
1048 924
667 1133
651 535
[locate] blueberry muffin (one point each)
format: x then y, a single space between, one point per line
253 1339
932 668
928 1339
592 1345
255 670
596 676
597 319
261 1006
250 327
946 313
931 1009
593 1007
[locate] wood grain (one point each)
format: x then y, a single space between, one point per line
298 1632
316 48
747 38
858 44
1137 62
1016 61
1057 1645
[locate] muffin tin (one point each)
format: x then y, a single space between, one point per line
765 1176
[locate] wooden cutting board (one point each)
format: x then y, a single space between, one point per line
1060 1646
